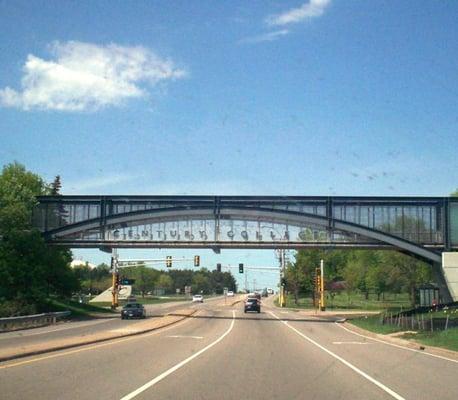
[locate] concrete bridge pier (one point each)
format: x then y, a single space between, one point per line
446 276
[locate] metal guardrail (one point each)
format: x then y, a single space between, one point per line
30 321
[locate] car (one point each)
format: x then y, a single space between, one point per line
254 295
133 310
230 293
252 304
197 298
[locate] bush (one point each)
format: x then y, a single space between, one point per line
15 308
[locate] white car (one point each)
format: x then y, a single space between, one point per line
197 298
230 293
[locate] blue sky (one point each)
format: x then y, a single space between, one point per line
299 97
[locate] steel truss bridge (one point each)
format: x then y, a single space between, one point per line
420 226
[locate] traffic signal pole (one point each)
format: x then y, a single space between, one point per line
322 305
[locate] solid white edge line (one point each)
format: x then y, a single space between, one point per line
160 377
185 337
425 353
345 362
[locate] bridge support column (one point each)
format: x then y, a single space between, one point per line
449 275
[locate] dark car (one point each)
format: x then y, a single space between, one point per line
252 304
133 310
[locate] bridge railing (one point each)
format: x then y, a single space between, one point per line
31 321
423 220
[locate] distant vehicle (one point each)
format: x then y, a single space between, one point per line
270 291
254 295
131 299
230 293
133 310
252 304
257 295
265 293
197 298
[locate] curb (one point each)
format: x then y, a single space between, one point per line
93 341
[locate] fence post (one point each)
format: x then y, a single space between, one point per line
432 327
446 323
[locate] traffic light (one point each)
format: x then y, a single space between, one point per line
196 261
317 279
240 268
218 267
168 261
112 264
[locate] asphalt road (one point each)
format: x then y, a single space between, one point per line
81 328
222 353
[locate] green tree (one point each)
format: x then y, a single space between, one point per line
165 282
200 282
55 186
295 278
413 272
356 273
30 270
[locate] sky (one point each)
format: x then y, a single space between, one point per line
290 97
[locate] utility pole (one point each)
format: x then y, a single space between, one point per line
246 280
115 278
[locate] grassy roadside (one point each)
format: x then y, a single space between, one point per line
373 324
77 309
446 339
354 301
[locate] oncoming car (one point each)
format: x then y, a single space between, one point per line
230 293
197 298
133 310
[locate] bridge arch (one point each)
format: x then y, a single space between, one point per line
288 217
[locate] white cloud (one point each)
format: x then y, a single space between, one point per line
85 76
314 8
266 37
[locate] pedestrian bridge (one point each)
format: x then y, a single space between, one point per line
421 226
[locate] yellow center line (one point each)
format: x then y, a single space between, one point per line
95 346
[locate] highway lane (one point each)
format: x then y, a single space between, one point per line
107 370
81 328
225 355
403 370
